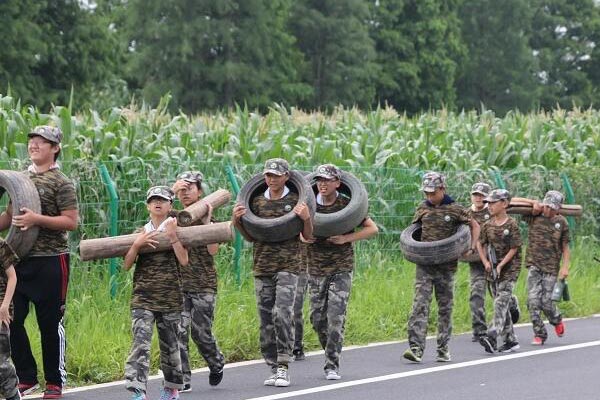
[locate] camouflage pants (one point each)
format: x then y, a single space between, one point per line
429 279
501 326
477 298
138 362
275 299
8 375
539 292
328 302
197 316
298 311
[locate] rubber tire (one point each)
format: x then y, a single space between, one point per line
272 230
348 218
436 252
22 193
469 258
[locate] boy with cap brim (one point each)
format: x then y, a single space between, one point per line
199 285
9 388
501 233
276 267
330 267
440 218
46 267
548 258
156 299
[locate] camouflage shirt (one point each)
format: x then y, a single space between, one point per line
7 259
157 282
57 193
326 258
482 216
270 258
503 238
546 239
441 222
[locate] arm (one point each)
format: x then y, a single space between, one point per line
301 210
236 218
483 256
143 239
369 229
475 231
11 283
507 258
6 218
66 221
180 252
566 259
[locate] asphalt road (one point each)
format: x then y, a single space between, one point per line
564 368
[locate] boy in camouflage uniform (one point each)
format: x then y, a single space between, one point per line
43 277
156 298
9 383
330 266
548 244
199 282
502 234
440 218
276 268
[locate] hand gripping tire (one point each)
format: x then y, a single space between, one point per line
348 218
437 252
275 229
22 193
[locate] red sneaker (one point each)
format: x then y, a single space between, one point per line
52 392
537 341
26 388
559 329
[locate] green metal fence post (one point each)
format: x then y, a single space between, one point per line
238 243
114 220
498 178
570 197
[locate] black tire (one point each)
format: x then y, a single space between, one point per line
22 193
470 257
437 252
351 216
279 229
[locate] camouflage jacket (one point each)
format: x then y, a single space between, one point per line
546 239
503 238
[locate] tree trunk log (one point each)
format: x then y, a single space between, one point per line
523 208
192 236
196 211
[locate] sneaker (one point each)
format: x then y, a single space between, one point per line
332 375
186 388
138 395
413 353
559 329
283 379
509 346
28 388
488 343
52 392
538 341
443 354
514 310
299 355
17 396
215 377
270 381
169 394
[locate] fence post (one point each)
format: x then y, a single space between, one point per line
238 243
498 178
570 197
114 220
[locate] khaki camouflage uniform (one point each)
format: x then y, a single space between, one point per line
437 223
8 376
546 238
503 238
330 269
276 268
157 298
299 301
478 283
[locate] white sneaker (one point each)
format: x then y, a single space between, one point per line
283 379
332 375
270 381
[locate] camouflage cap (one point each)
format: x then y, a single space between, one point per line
328 171
553 199
276 166
497 195
432 181
164 192
481 188
49 133
191 176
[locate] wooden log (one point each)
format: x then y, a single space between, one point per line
524 208
196 211
192 236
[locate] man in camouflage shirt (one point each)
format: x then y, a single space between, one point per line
276 267
440 218
548 245
330 266
9 388
199 283
156 298
43 276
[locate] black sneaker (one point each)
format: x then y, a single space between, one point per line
186 388
215 377
509 346
299 355
514 310
488 343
